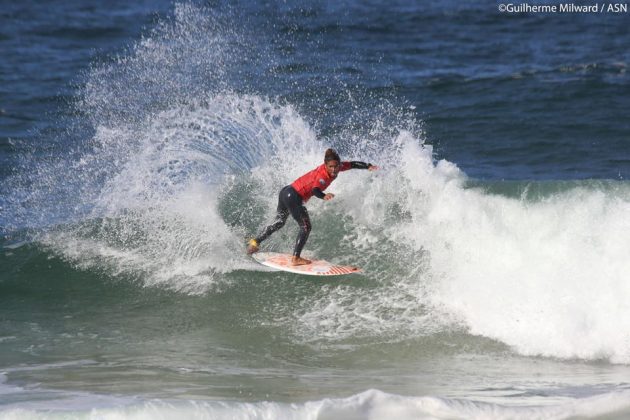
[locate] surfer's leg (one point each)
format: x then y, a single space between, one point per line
293 202
301 216
279 221
282 213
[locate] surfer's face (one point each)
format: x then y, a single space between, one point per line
332 167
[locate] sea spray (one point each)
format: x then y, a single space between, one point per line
160 198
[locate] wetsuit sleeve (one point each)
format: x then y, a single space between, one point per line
318 193
359 165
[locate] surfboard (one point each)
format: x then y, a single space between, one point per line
315 268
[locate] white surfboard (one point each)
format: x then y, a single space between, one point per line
315 268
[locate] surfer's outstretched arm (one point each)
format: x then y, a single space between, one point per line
344 166
355 164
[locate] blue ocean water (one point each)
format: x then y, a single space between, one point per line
141 143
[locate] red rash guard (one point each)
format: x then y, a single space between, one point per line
317 178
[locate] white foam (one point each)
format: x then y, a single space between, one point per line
370 404
547 276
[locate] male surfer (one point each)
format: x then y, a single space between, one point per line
293 197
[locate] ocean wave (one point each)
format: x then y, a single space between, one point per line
178 172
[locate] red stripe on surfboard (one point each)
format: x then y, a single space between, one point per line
338 270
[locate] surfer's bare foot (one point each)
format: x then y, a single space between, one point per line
252 246
299 261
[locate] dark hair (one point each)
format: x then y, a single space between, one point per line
331 154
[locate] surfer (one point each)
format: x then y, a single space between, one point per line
293 197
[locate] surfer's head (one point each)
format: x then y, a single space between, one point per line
332 162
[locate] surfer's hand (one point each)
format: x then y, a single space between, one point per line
329 196
372 168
